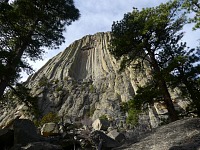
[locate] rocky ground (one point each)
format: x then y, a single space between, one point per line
23 135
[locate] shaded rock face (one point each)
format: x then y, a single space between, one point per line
179 135
25 132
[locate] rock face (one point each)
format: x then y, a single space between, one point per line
180 135
101 124
119 137
84 80
50 129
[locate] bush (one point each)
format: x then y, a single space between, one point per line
133 112
133 117
103 117
49 117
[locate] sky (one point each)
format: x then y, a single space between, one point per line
98 16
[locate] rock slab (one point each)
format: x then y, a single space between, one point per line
25 132
179 135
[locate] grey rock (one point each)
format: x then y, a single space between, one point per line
119 137
102 140
25 132
100 124
179 135
77 77
50 129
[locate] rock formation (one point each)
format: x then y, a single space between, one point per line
84 80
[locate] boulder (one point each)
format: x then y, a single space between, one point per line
50 129
25 132
100 124
101 140
179 135
6 138
119 137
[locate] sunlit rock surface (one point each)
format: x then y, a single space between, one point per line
84 80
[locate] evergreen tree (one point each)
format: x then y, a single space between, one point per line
141 35
182 70
26 27
193 6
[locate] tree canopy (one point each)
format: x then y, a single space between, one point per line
193 6
153 35
26 28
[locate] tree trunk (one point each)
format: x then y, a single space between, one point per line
163 87
168 101
11 67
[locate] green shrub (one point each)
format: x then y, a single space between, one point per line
103 117
49 117
133 117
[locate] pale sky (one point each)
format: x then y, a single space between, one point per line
98 16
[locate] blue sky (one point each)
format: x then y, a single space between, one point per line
98 16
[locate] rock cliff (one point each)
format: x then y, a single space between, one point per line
84 79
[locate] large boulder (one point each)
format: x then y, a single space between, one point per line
25 132
6 138
50 129
101 140
100 124
179 135
119 137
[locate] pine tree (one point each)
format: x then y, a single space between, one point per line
26 27
141 35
